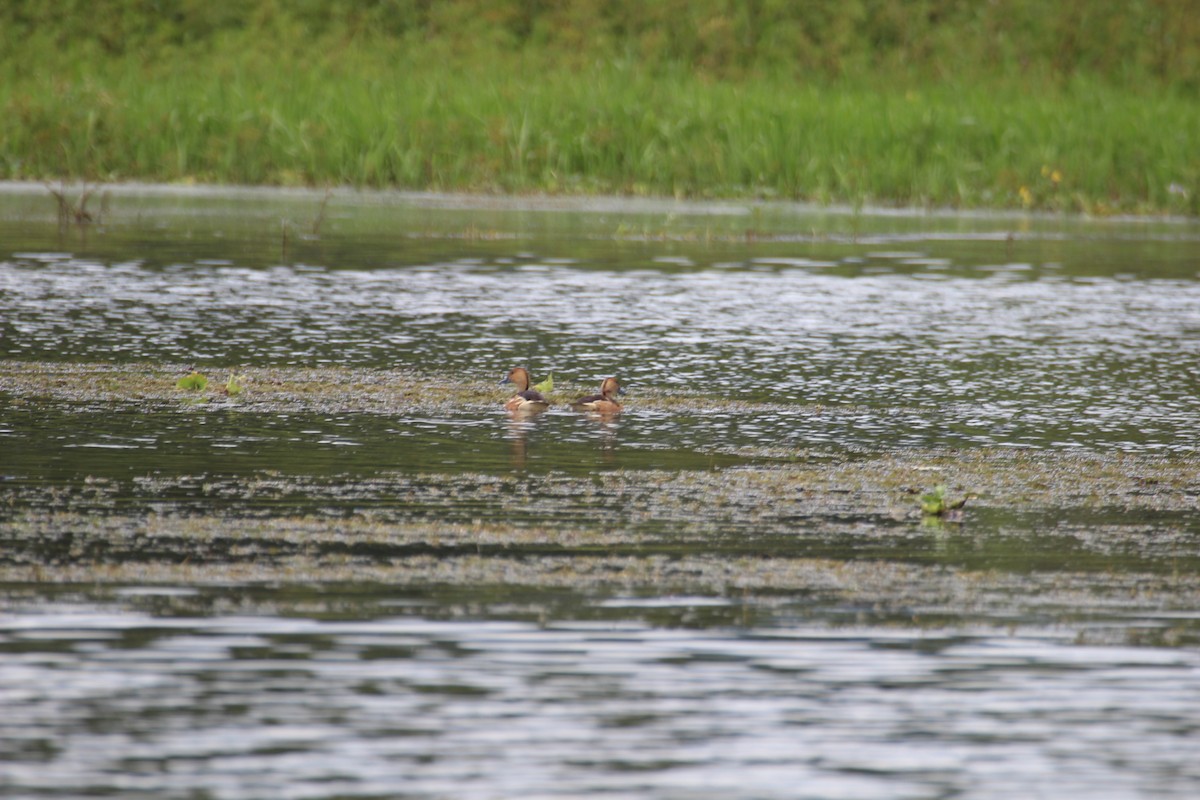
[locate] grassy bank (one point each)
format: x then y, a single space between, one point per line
509 99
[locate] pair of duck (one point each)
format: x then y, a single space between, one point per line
527 400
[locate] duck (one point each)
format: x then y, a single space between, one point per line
603 403
526 399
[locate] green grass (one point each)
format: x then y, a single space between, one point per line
406 112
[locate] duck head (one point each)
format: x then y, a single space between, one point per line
610 387
518 376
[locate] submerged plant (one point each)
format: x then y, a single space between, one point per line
76 212
192 382
319 219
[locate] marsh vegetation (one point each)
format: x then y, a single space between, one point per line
1079 107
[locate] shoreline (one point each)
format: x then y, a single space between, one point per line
567 202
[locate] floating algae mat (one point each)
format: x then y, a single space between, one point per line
339 526
115 475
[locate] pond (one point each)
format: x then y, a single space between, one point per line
354 575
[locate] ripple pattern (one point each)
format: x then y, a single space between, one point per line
995 358
145 706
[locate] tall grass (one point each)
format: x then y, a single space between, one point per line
403 111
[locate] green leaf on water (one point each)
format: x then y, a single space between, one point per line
546 386
193 382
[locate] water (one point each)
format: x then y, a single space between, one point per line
724 592
407 704
967 339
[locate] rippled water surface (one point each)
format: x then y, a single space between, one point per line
409 704
236 599
967 332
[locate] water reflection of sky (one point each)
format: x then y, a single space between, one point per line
241 705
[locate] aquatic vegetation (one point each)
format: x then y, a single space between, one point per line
235 385
192 382
881 484
322 209
77 211
837 526
935 503
546 386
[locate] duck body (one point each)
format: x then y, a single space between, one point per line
603 403
526 399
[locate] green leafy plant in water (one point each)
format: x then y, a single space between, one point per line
192 382
546 386
934 503
235 385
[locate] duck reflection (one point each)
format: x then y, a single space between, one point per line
606 427
518 427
